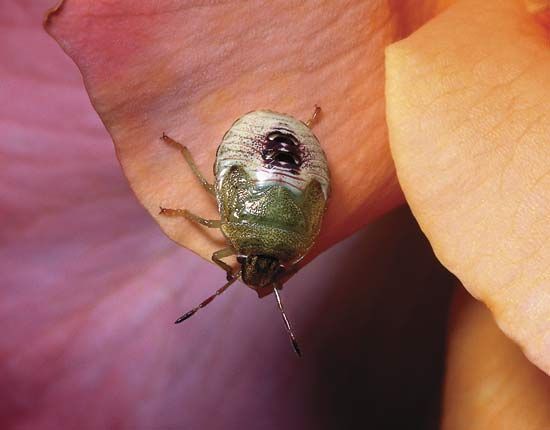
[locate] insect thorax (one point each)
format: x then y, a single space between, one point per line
269 220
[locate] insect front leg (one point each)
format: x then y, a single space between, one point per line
222 253
210 223
188 157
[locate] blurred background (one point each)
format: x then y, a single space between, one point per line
90 288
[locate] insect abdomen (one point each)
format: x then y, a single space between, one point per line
273 149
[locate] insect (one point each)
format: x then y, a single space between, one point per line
272 183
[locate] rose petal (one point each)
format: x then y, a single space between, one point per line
190 69
540 9
90 289
469 122
489 384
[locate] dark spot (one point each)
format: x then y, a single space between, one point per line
283 157
282 149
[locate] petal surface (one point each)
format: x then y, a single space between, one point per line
469 118
90 289
191 68
489 384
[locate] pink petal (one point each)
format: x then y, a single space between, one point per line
90 288
190 70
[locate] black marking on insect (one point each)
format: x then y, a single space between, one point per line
282 149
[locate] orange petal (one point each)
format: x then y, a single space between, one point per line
190 70
469 117
540 9
489 384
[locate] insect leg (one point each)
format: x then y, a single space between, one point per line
211 223
222 253
310 121
187 155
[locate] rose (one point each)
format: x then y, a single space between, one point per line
57 312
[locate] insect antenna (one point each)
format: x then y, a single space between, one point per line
287 324
208 300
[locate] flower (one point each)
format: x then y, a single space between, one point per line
91 286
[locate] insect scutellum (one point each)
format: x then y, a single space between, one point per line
271 185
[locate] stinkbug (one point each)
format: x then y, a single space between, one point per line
272 183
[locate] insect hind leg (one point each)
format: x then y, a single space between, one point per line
210 223
189 159
311 120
